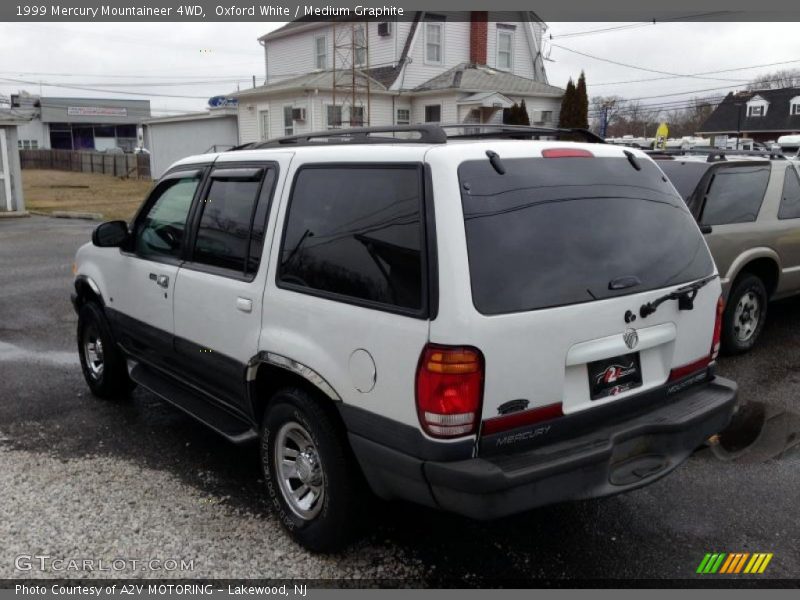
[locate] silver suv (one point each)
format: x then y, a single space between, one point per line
749 208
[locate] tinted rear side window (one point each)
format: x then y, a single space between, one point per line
735 195
790 199
231 230
356 232
558 231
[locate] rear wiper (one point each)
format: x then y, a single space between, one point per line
684 295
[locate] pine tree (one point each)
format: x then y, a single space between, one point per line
522 115
566 116
581 104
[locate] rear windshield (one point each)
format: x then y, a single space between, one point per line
684 175
558 231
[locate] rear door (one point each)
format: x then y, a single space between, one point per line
787 230
731 206
561 254
219 288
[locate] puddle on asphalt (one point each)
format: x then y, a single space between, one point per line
758 433
12 353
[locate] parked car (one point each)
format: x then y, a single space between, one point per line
481 325
749 208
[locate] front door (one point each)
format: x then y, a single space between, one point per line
141 288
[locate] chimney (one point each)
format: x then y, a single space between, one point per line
478 35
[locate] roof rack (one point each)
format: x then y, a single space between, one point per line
717 154
427 133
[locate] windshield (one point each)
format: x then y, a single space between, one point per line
558 231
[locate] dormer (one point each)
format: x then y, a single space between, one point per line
757 106
794 106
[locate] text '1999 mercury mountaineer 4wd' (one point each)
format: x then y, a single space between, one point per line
470 322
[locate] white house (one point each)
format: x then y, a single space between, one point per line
449 67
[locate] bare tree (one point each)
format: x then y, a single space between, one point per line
783 78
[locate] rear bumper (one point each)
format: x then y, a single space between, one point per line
608 459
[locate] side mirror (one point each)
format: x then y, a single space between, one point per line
112 234
705 229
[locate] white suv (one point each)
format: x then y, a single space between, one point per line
474 323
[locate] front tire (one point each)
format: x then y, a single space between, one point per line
745 315
102 362
312 480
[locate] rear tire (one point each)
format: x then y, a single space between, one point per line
313 482
745 315
102 362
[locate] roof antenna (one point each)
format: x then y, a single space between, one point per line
495 161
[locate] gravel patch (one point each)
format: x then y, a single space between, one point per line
102 508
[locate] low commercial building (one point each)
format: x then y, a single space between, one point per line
168 139
79 123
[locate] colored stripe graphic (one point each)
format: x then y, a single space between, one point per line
765 563
727 564
734 563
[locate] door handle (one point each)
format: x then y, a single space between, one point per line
244 304
163 281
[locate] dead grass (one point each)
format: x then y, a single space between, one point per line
113 197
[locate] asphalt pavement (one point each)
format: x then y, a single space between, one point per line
81 477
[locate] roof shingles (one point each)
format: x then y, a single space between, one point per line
726 117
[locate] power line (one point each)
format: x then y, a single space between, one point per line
775 64
637 25
638 68
94 89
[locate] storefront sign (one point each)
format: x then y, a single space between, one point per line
96 111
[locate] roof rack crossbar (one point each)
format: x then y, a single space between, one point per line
426 133
717 153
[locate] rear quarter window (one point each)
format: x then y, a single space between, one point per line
558 231
790 198
356 233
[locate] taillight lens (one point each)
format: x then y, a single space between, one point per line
715 342
566 153
449 390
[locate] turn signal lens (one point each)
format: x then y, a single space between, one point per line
692 367
449 390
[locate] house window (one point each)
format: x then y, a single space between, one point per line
795 107
360 43
263 118
403 116
333 116
505 46
433 113
288 121
321 52
755 111
433 42
547 116
356 116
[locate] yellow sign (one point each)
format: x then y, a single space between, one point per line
661 136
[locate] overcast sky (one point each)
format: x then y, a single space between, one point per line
207 59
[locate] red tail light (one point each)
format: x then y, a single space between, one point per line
566 153
522 418
449 390
715 342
